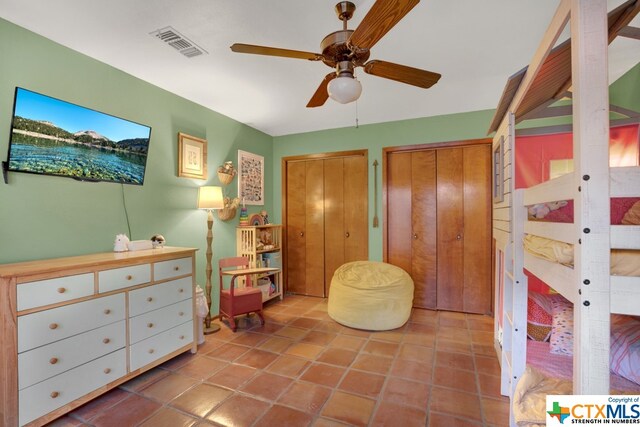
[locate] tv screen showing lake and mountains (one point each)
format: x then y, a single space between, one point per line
54 137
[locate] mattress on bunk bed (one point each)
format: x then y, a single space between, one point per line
624 210
550 374
624 262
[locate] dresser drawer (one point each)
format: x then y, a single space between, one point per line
154 297
46 396
172 268
154 348
156 321
48 326
52 359
118 278
51 291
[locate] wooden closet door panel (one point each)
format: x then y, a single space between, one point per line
477 229
356 193
296 214
334 218
424 225
399 210
450 229
314 228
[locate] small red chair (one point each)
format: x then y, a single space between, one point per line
235 301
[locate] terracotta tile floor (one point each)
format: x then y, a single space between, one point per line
304 369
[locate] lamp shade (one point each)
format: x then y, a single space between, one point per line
344 89
210 197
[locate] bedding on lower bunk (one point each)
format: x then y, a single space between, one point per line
550 374
624 262
553 353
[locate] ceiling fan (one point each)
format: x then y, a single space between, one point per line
347 49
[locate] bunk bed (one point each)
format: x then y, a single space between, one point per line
577 65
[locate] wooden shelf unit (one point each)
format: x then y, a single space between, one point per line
249 244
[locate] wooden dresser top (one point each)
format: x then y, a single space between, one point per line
105 259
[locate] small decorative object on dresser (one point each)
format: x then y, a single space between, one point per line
140 245
120 244
157 240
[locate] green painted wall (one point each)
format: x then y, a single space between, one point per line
625 92
45 217
374 137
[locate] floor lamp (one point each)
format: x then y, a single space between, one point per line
209 198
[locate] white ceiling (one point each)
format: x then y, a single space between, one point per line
475 45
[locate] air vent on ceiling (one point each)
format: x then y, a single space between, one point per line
173 38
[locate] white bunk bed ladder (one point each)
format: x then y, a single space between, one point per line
511 213
589 42
520 291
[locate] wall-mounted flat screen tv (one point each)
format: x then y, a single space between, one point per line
54 137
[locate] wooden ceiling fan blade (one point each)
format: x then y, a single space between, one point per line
401 73
274 51
322 94
382 17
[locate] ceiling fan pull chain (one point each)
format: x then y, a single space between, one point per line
357 125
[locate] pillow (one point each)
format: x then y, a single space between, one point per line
561 340
539 316
632 216
625 347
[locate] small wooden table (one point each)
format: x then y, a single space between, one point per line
246 272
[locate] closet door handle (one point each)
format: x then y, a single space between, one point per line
415 236
346 234
458 237
302 234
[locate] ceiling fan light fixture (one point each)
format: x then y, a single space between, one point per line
344 89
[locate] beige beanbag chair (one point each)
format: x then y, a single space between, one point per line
370 295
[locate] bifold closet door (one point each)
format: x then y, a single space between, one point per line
345 213
464 227
477 225
439 224
450 205
305 225
326 218
411 221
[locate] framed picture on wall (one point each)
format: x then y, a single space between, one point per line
192 157
251 178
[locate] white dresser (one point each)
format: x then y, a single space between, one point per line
74 328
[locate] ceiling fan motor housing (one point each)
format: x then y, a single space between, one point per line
335 49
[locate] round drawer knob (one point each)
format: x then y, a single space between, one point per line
53 326
107 311
151 351
62 290
53 360
150 325
129 277
54 394
149 299
106 340
180 290
181 337
107 370
176 268
181 313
